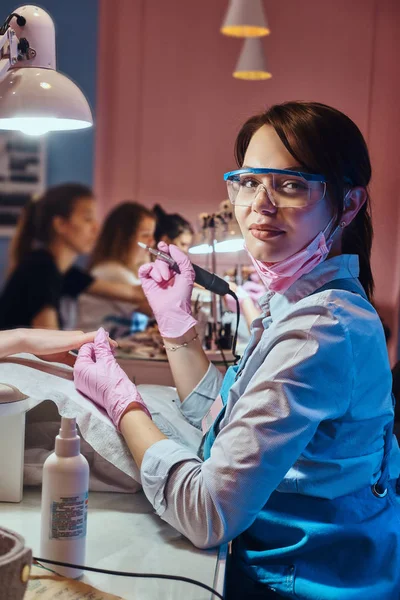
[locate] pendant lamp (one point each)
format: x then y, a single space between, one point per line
252 64
245 18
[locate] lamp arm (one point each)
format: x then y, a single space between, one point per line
10 56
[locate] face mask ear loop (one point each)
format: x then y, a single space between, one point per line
327 228
341 225
345 204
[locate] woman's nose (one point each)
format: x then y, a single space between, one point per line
262 202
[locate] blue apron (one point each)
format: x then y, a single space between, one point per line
313 548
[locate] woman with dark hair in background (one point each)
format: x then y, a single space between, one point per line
298 468
53 231
173 229
116 259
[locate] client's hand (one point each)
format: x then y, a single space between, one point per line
98 376
53 346
169 293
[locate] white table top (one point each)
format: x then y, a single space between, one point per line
125 534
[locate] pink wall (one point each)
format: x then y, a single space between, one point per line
169 109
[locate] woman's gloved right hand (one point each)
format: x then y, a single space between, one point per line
168 293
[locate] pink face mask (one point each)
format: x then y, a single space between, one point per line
279 276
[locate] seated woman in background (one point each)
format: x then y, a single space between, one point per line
116 259
53 231
173 229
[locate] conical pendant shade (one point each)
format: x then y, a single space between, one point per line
245 18
252 64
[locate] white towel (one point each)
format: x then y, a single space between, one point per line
42 381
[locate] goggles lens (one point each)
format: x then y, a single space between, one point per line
283 189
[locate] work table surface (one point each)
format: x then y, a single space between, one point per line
125 534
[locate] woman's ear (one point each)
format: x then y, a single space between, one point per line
353 201
58 225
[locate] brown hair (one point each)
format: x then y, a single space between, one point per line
325 141
36 222
117 232
172 225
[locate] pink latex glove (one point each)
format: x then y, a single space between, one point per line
169 293
254 276
98 376
254 290
249 289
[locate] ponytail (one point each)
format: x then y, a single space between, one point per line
24 237
36 223
170 225
357 239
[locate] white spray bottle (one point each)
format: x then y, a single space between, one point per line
65 502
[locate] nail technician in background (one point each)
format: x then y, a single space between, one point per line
116 258
173 229
297 465
52 232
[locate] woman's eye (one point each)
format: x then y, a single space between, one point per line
293 186
249 182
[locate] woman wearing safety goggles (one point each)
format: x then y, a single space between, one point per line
297 466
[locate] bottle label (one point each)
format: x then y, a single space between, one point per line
68 517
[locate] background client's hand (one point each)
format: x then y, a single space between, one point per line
98 376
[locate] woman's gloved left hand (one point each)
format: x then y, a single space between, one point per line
98 376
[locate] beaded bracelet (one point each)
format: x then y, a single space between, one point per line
173 348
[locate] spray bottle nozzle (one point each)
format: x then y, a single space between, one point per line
68 428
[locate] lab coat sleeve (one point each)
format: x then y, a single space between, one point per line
306 377
199 401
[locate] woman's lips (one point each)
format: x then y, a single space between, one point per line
265 234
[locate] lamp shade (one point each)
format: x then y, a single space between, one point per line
34 97
232 239
245 18
252 64
36 101
200 244
228 238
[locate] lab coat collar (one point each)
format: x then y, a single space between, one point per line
345 266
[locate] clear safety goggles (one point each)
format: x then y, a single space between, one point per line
285 189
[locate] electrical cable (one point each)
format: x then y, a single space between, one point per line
130 574
218 340
21 21
235 337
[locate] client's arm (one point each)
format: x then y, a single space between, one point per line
120 291
48 345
